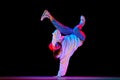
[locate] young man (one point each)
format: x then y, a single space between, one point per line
65 41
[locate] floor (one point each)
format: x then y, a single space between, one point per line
59 78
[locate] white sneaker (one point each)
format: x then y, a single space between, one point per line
45 15
82 20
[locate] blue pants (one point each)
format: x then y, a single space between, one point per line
66 30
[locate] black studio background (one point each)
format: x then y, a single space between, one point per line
25 38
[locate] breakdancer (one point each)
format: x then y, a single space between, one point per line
65 40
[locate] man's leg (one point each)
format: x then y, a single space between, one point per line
64 62
63 29
69 45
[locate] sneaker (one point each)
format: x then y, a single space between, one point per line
82 20
45 15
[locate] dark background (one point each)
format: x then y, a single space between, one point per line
25 39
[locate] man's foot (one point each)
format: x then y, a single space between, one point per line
45 14
82 20
59 76
56 76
